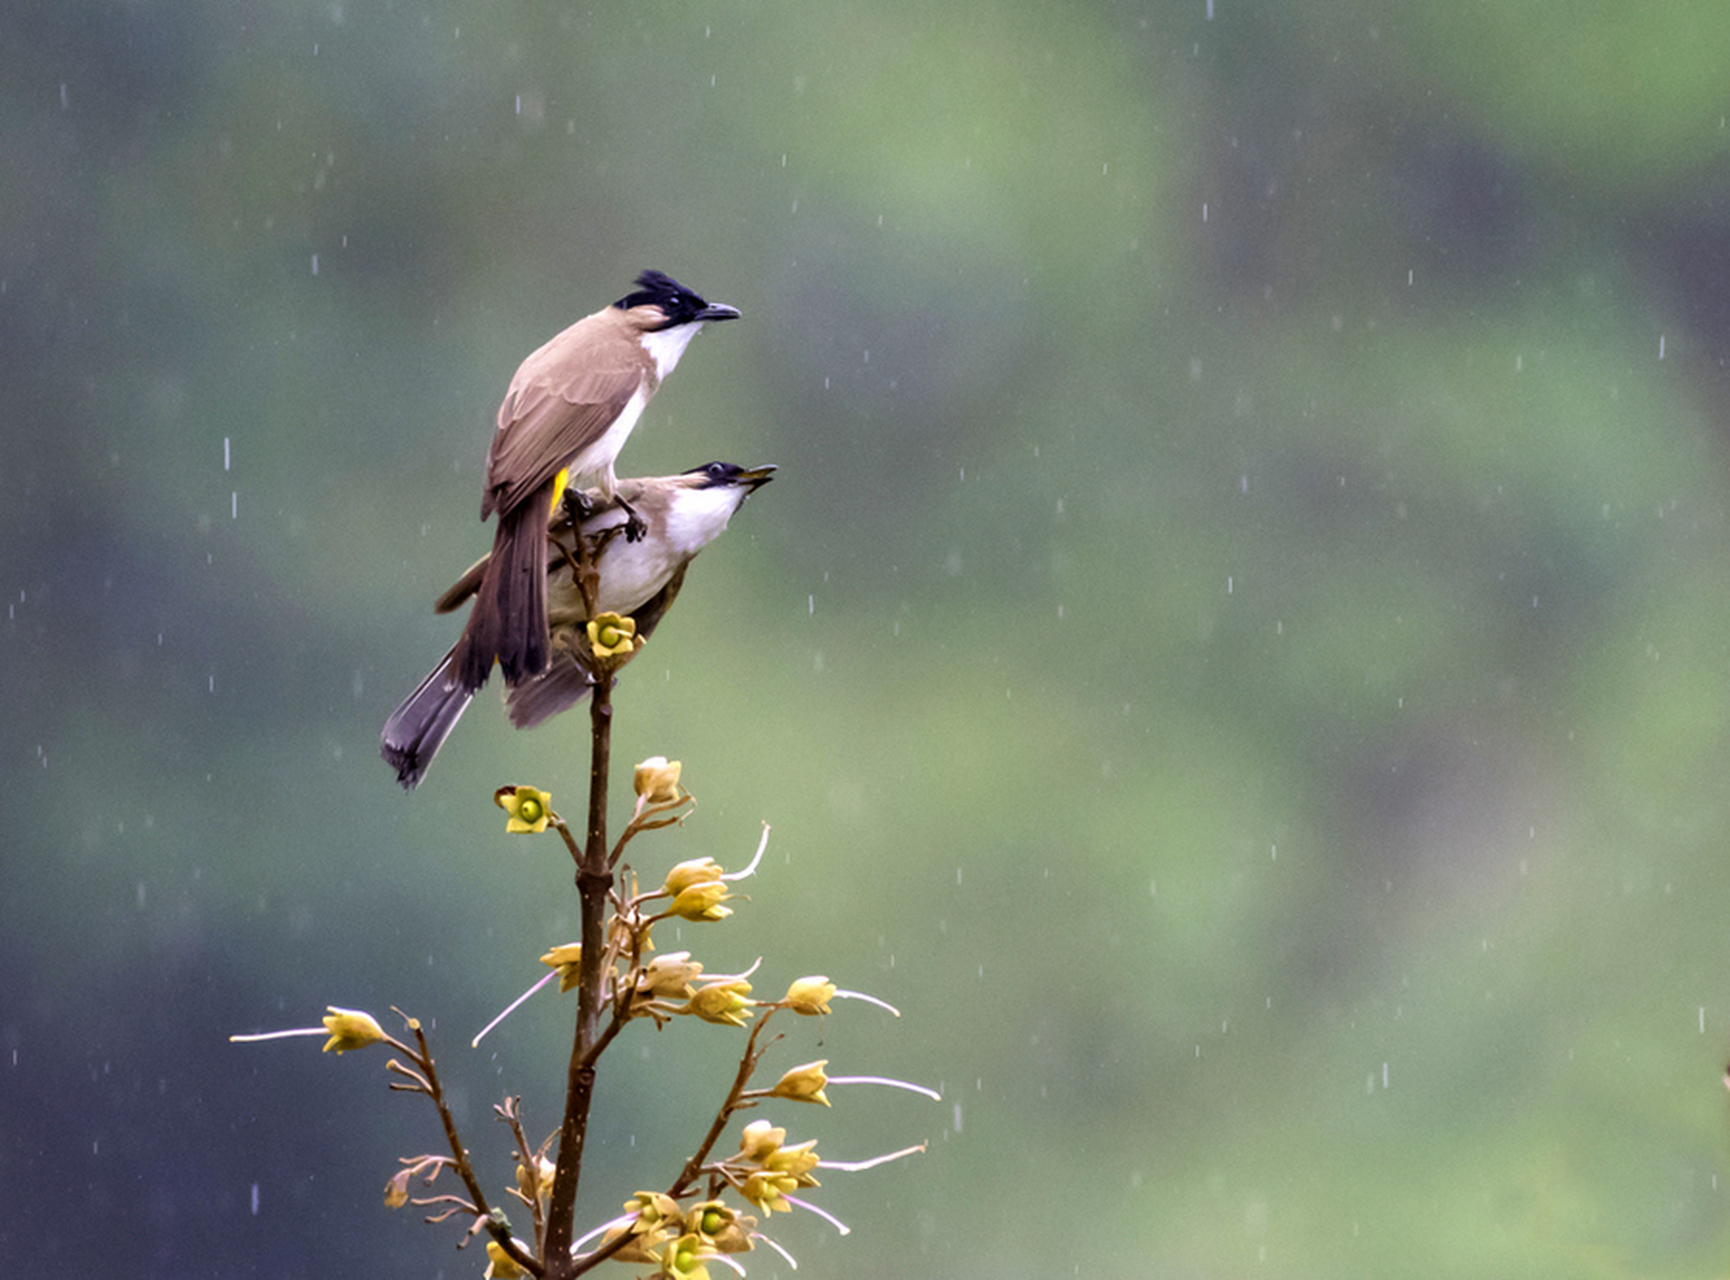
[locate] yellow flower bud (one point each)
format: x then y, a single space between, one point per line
796 1162
669 977
350 1029
657 780
530 810
703 902
760 1140
803 1084
694 871
500 1265
810 996
396 1190
723 1002
536 1180
763 1144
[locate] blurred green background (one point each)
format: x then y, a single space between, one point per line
1236 649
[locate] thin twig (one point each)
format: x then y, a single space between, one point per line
734 1102
510 1111
495 1226
648 820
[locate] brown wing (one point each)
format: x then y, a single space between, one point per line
562 400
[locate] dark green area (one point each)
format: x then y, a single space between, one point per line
1238 648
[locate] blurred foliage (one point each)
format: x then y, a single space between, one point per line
1236 649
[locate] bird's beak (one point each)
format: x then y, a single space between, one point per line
757 477
718 311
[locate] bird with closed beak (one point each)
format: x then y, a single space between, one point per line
564 419
679 514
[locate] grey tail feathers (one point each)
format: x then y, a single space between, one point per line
417 729
565 683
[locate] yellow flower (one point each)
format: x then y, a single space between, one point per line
702 902
684 1258
722 1002
762 1144
768 1191
500 1265
567 958
721 1226
657 780
530 810
803 1084
350 1029
612 636
810 996
655 1219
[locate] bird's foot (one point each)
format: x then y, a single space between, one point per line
635 526
577 506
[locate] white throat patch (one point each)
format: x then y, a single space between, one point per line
699 516
665 346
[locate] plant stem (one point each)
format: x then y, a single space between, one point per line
594 882
594 876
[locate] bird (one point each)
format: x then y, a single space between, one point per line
564 418
681 514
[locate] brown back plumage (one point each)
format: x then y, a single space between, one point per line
562 400
561 404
